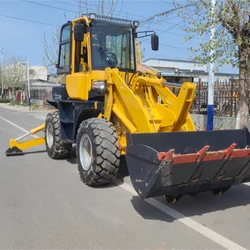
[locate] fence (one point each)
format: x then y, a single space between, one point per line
225 98
39 94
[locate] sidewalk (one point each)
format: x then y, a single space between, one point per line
39 113
26 109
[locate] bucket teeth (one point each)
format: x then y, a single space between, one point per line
14 151
204 155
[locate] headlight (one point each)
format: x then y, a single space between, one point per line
136 24
100 86
92 16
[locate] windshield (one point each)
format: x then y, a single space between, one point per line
112 46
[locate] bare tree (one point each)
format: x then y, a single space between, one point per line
103 7
15 75
15 72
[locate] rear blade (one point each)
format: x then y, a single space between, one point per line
13 151
179 163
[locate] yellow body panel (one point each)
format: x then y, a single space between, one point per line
27 144
78 85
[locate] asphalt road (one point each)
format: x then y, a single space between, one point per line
43 204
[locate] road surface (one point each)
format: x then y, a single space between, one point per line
43 204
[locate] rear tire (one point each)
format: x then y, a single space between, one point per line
98 153
171 198
220 191
56 148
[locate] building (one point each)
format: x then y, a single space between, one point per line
180 71
38 73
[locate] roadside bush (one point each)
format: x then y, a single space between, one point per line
5 100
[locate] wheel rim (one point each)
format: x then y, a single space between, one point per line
49 135
85 151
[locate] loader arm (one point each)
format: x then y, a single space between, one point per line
136 104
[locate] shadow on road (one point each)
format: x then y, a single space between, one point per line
18 154
200 204
148 211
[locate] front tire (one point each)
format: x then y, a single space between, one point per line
55 147
98 153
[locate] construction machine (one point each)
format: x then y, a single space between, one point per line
109 108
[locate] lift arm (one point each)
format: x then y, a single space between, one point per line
136 104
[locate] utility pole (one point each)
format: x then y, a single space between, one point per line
2 94
28 80
28 77
210 107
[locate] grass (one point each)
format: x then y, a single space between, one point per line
24 104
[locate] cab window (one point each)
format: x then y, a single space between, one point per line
64 50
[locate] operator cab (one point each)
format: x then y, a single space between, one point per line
100 43
112 45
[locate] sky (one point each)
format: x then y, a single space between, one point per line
24 23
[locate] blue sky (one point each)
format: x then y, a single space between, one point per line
23 39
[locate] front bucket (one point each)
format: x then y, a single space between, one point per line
178 163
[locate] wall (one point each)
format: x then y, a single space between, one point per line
40 94
220 122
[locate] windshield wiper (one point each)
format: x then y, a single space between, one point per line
105 57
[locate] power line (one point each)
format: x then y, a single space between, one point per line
169 46
50 6
164 2
118 11
70 4
58 8
166 12
27 20
164 31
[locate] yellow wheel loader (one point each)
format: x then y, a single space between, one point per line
109 109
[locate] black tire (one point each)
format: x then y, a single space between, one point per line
104 153
220 191
172 199
56 148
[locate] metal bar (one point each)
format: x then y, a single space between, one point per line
231 97
210 106
21 137
2 94
172 84
199 96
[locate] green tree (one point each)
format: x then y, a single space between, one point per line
230 44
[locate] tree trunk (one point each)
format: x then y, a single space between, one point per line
244 84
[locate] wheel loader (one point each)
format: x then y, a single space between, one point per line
109 108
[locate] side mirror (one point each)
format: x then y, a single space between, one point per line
79 30
154 42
